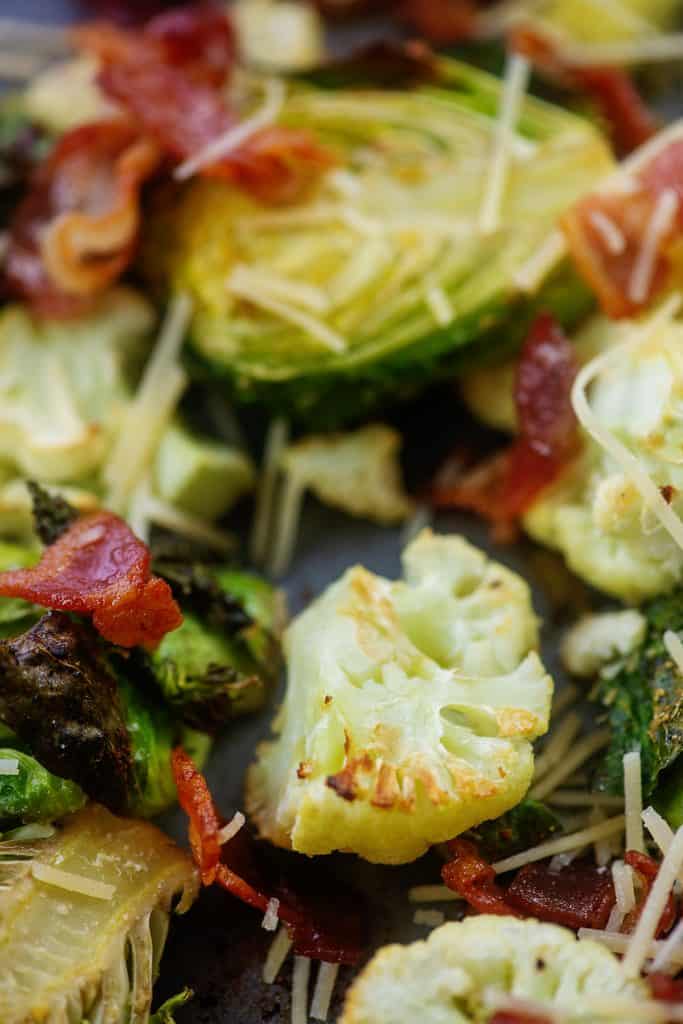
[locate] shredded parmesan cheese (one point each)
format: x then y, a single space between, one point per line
584 798
572 760
270 918
561 739
300 976
659 224
324 988
161 386
432 894
277 954
674 648
658 828
9 766
648 489
440 306
644 932
611 827
657 47
230 830
172 518
515 84
276 442
429 918
608 231
218 148
531 274
564 700
240 283
71 882
633 799
665 960
622 877
287 526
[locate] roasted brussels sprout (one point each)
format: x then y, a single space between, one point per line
410 709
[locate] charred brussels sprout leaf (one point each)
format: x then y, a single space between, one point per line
52 514
526 825
223 660
62 702
164 1015
34 794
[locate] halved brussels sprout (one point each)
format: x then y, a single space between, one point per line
91 955
410 709
374 284
464 971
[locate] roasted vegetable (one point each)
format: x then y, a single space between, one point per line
33 793
410 708
526 825
85 916
642 693
382 279
224 659
464 971
596 515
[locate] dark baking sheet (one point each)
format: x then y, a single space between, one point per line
218 948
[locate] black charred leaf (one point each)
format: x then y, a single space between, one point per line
383 64
61 701
52 514
196 589
208 702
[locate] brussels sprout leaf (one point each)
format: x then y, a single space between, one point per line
526 825
164 1015
61 701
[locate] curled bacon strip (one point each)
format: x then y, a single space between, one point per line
474 878
98 567
504 487
75 231
168 79
319 928
648 868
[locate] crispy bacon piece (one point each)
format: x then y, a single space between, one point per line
647 868
75 231
517 1017
98 567
324 922
579 896
474 878
628 119
504 487
608 233
169 79
665 988
442 22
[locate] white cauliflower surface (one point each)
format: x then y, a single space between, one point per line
410 708
465 969
596 515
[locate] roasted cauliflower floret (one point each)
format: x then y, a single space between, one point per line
410 709
464 971
596 515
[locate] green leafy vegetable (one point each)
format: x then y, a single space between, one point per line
34 793
643 698
61 701
52 513
526 825
164 1015
393 280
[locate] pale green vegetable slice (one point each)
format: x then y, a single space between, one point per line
410 710
464 969
89 955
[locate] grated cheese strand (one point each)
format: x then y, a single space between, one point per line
659 829
324 988
300 977
611 827
643 270
218 148
618 943
674 648
622 876
517 72
172 518
573 759
531 274
9 766
608 231
633 800
584 798
276 442
615 919
645 929
647 488
230 830
287 526
277 954
429 918
240 284
665 958
432 894
564 700
659 47
71 882
270 918
439 305
559 742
